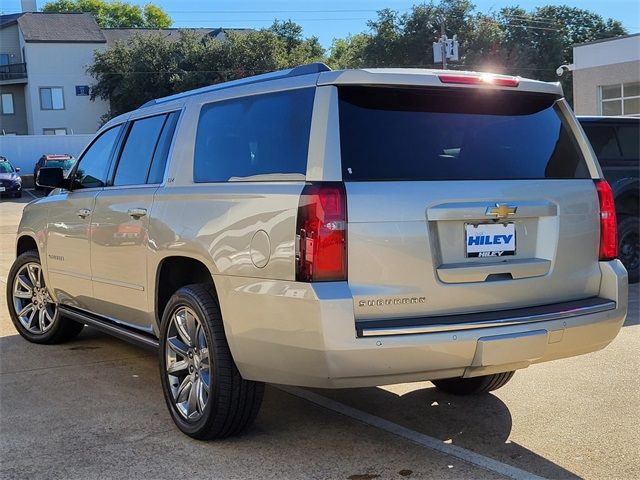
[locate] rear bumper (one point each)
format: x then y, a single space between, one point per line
304 334
10 188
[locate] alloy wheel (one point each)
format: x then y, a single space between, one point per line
188 363
31 300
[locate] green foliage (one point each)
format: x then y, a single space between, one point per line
114 14
512 40
149 66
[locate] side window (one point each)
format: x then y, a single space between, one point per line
629 138
603 141
159 162
94 164
244 138
138 150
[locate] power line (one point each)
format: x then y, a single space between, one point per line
529 18
532 27
254 11
217 21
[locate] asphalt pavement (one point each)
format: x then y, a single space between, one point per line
93 408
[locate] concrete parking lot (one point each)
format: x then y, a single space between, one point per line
93 408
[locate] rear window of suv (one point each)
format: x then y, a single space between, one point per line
454 134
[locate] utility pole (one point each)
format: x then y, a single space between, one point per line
443 43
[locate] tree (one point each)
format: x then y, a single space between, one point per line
537 43
149 66
513 41
348 52
114 14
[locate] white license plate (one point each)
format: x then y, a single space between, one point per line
490 239
2 189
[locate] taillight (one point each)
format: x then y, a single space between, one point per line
608 224
321 233
483 79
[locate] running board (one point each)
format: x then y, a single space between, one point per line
111 327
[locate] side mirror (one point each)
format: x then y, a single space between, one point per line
51 177
17 169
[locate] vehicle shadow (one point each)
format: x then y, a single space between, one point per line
633 311
481 424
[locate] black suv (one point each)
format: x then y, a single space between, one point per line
616 142
64 161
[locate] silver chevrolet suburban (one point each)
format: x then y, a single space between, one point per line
329 229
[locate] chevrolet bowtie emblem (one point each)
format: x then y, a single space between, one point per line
501 210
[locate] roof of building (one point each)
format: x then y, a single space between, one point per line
173 34
60 28
82 28
10 19
610 39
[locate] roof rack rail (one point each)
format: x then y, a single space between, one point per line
307 69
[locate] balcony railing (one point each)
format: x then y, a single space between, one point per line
13 71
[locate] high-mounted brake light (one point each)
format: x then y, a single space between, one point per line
608 224
321 233
500 81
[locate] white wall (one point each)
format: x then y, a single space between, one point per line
607 52
24 150
62 65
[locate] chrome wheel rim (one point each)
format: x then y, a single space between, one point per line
188 364
32 303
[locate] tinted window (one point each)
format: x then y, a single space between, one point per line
6 167
453 134
162 150
629 137
603 141
259 135
92 170
64 164
138 150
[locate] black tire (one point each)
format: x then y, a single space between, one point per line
61 330
629 246
474 385
233 402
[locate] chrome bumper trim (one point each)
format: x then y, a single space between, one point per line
469 321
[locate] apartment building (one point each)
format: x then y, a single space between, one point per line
44 87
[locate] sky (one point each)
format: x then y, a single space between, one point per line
329 19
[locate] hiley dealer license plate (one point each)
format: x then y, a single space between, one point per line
490 239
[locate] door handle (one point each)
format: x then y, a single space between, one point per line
83 212
137 212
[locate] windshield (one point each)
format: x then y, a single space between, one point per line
454 134
64 164
6 167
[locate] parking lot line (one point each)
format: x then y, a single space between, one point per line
416 437
29 192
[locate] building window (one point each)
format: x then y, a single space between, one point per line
621 99
51 98
7 104
4 59
54 131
